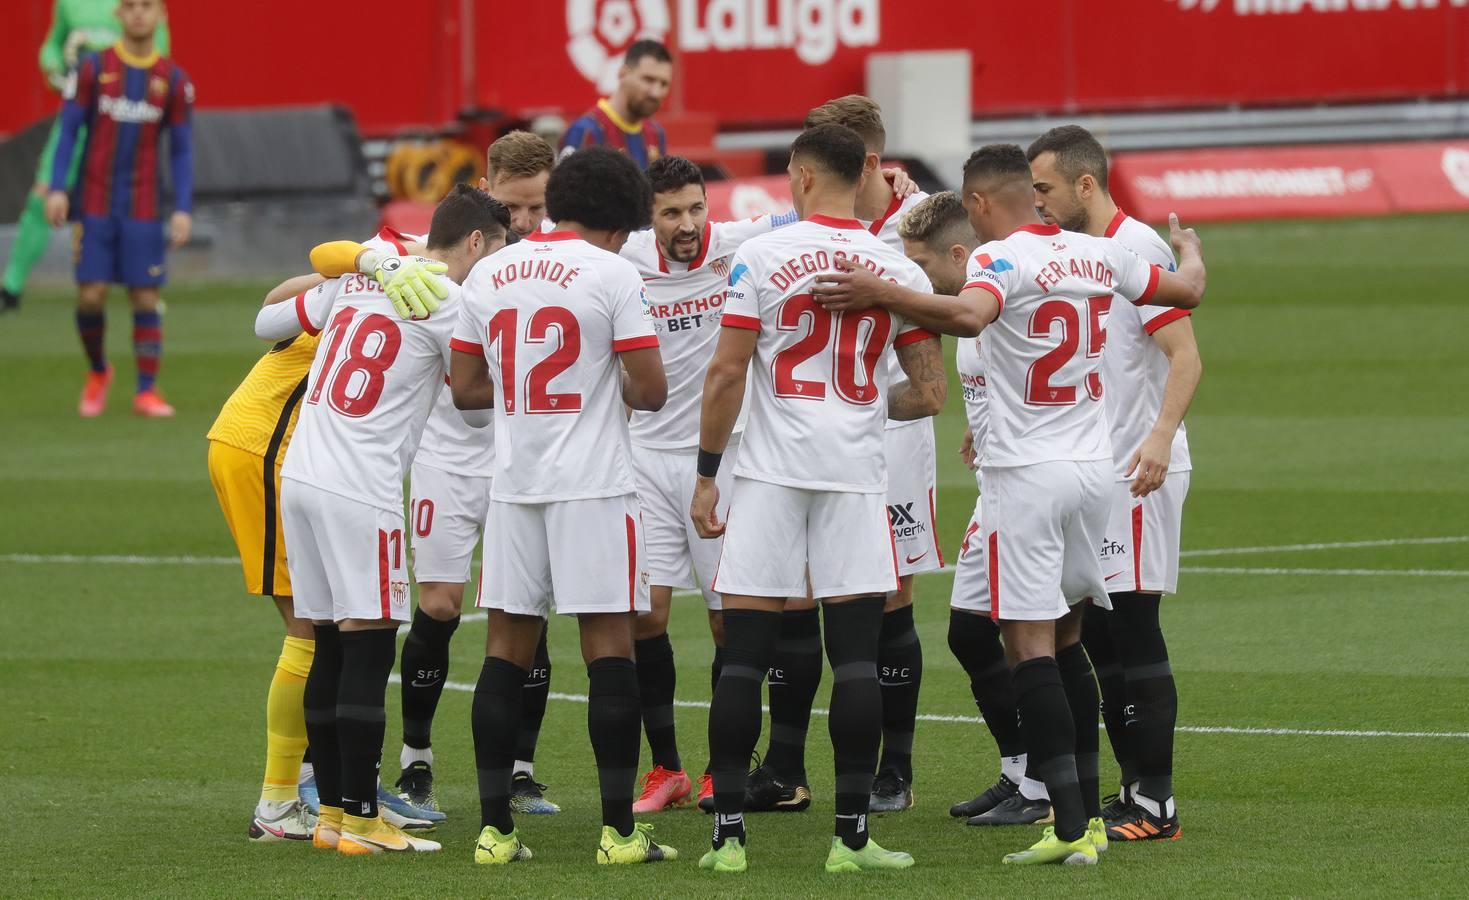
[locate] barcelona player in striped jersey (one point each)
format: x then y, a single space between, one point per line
624 121
126 96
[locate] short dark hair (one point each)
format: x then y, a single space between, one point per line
602 189
646 47
859 113
836 148
1000 162
464 211
1077 150
672 173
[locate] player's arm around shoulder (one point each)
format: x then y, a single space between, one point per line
854 287
310 303
470 384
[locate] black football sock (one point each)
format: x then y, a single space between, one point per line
853 630
424 669
1081 695
320 705
537 691
900 673
1096 636
367 661
498 698
1050 739
715 668
795 674
614 722
1151 691
975 642
750 638
657 678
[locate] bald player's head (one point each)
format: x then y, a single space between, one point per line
997 184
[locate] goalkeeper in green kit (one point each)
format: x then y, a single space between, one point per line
77 27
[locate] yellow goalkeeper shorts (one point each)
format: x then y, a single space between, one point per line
249 496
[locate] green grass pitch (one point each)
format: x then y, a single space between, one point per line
1332 411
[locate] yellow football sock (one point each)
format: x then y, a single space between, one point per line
359 824
285 721
331 817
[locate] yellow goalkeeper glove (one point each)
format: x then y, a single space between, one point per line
414 284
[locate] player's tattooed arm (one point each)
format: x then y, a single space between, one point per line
854 287
927 387
469 381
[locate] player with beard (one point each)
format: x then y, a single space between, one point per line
624 121
1151 371
1042 295
684 262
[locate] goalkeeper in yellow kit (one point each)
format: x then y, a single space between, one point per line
247 445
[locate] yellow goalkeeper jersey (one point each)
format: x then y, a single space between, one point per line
260 415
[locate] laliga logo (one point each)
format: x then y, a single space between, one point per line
1455 165
600 29
599 32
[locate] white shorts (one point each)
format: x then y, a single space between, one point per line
676 553
348 560
1042 526
445 516
775 534
911 512
587 554
1139 550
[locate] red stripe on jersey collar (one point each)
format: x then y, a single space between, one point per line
893 207
833 221
394 237
1038 228
698 260
552 236
1115 224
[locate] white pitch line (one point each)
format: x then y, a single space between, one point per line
116 560
1395 573
975 720
1340 545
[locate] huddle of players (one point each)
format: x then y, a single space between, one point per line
563 513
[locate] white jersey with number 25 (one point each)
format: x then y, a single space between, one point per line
1043 353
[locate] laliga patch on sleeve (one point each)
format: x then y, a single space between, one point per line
647 303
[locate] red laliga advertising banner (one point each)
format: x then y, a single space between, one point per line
1285 182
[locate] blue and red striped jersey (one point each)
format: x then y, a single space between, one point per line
601 126
126 102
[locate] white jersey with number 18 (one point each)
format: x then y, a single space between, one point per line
818 396
550 314
371 387
1043 353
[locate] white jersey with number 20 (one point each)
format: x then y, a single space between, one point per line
818 396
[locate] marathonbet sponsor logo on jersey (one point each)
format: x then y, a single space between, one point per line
599 31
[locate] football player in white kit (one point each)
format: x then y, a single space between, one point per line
1151 371
780 782
684 262
555 336
938 237
372 384
1043 296
807 506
